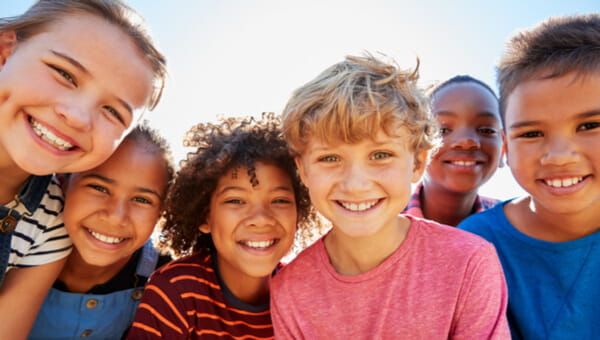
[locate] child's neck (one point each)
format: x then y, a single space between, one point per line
80 276
249 289
356 255
11 180
446 207
542 224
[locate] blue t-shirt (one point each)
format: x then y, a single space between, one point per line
553 288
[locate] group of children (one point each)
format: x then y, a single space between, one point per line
360 160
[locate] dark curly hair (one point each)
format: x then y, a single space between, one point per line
229 144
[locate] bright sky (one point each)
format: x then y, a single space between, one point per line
242 57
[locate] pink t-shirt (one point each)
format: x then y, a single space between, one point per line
441 283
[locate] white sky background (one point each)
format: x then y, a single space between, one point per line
243 57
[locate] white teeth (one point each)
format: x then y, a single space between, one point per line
49 137
106 239
464 163
358 207
259 244
562 183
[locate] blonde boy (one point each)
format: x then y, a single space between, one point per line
361 134
548 240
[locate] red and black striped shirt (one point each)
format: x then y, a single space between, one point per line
186 300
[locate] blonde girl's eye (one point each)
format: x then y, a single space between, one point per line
115 114
66 75
381 155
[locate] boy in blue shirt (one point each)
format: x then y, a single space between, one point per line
549 82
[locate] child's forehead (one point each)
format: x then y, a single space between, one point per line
552 100
316 143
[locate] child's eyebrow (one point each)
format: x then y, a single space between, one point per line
583 115
82 68
485 114
112 181
233 187
71 61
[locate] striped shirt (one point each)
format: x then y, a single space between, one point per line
414 206
186 299
40 237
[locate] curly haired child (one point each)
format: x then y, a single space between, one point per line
235 207
75 78
361 132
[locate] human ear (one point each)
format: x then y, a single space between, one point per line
205 228
419 165
8 41
504 152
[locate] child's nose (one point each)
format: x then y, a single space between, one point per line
117 212
355 177
260 216
465 139
76 115
559 151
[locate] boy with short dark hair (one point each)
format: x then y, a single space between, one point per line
360 132
547 241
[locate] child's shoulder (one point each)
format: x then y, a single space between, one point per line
442 235
198 264
487 220
306 261
428 237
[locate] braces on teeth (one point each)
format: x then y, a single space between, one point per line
49 137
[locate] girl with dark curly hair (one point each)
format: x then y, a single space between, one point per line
233 210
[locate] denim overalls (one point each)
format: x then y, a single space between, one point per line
29 196
67 315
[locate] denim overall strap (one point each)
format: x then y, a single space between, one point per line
146 265
7 225
30 195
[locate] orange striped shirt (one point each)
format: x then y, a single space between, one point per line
186 300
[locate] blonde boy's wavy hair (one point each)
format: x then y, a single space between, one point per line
354 99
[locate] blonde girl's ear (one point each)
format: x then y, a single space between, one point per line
419 165
205 228
8 42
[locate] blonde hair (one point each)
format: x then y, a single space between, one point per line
116 12
354 99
